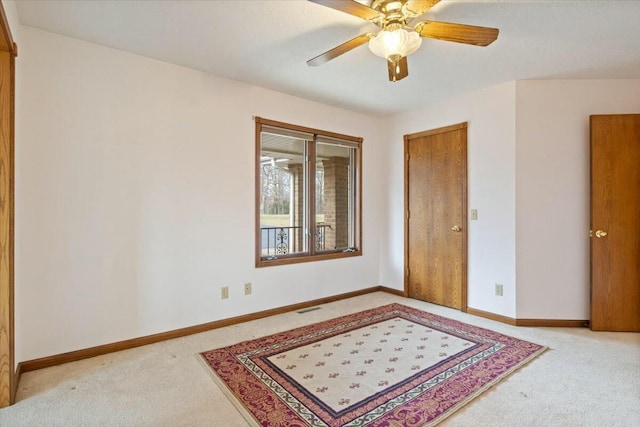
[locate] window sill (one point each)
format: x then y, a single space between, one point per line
297 259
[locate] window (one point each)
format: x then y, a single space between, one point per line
308 194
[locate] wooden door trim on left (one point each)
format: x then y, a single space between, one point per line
430 132
8 52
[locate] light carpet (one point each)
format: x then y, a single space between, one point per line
392 365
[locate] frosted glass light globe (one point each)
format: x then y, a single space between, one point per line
395 43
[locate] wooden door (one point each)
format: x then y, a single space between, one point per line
8 52
436 220
615 222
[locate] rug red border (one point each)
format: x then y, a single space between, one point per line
441 396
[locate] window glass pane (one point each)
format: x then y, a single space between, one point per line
290 228
283 201
334 196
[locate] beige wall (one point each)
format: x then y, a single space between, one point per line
134 195
529 179
552 190
135 198
491 188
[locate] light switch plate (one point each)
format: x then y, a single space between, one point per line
474 214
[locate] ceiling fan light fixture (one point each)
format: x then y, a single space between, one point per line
387 44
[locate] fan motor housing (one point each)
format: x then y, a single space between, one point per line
393 11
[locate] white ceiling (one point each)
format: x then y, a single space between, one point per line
267 43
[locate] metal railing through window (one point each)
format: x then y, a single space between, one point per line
278 241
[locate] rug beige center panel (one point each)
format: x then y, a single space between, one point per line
390 365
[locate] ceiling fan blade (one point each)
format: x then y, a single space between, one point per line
459 33
418 7
351 7
339 50
398 70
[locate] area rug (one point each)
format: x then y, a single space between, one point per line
388 366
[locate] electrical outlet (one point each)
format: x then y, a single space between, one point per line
247 288
498 290
224 292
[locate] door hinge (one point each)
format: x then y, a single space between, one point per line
408 271
408 214
407 156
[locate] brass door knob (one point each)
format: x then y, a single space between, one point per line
457 228
600 233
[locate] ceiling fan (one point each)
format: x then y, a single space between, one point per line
399 36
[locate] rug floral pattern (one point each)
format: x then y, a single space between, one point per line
392 365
